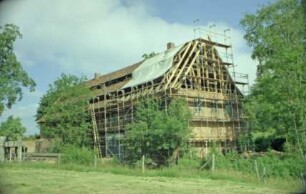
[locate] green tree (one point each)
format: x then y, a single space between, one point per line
275 33
158 131
12 76
12 128
62 112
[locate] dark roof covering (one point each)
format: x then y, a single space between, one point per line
113 75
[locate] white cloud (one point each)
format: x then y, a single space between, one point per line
88 36
91 36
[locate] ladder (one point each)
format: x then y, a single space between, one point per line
97 145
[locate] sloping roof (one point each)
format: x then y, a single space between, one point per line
111 88
146 70
153 67
113 75
142 72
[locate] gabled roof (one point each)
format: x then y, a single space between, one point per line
142 72
147 70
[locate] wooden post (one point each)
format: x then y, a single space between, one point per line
95 161
59 159
206 146
10 152
264 175
190 154
256 169
213 163
19 150
143 163
19 153
204 165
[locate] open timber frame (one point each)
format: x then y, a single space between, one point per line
198 73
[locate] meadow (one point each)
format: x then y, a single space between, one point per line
35 178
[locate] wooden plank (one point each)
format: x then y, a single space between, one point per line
173 71
174 83
212 43
178 75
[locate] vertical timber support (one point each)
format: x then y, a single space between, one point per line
105 122
19 150
118 129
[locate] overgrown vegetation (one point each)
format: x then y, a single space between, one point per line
76 155
269 164
159 131
276 104
62 111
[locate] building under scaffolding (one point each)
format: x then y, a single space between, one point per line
198 70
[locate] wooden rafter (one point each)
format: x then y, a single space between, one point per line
177 84
177 74
174 70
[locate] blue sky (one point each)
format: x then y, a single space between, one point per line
228 11
82 37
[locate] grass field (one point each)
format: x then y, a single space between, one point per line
25 179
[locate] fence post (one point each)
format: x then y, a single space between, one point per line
264 175
143 163
59 159
256 169
95 161
213 163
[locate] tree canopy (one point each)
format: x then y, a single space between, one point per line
158 131
275 33
12 128
12 76
62 111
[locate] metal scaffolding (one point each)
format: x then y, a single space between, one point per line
199 74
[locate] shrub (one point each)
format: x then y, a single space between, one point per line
157 133
269 164
77 155
262 144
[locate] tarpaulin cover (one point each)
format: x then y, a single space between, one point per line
153 67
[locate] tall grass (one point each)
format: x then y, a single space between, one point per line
275 170
76 155
185 170
269 165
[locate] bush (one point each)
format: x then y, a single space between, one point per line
55 146
263 144
157 134
269 164
77 155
